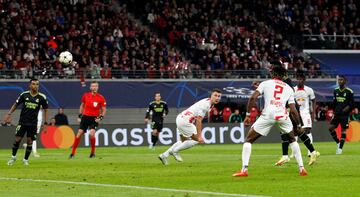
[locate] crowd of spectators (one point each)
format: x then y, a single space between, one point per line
179 38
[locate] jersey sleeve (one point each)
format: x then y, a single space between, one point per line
311 94
20 99
83 99
291 98
103 102
149 109
44 103
261 88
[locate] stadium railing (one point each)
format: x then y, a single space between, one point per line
151 74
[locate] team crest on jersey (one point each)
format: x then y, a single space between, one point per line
27 99
344 94
95 104
37 100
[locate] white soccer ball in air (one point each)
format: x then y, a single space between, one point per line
65 58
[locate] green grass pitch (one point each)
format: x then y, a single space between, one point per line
206 168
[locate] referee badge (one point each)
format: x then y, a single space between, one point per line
95 104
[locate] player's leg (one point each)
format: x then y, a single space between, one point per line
157 127
34 144
286 127
251 137
285 142
333 124
20 132
92 142
344 125
29 141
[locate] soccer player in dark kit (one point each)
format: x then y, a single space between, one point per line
32 101
158 109
92 111
343 103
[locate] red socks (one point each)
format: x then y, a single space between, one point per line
92 142
75 145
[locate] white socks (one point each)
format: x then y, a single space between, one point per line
185 145
167 152
34 146
246 152
297 153
179 146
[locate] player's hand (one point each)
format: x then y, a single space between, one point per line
97 120
200 140
79 120
7 118
247 121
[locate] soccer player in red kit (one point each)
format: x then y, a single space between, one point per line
92 111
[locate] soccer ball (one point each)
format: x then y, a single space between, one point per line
65 58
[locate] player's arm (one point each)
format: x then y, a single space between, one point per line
251 104
102 111
147 114
313 101
166 110
350 98
13 107
199 129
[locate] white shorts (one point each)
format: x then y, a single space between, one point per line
263 125
306 119
185 127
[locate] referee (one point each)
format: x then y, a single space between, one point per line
343 103
32 101
92 111
158 109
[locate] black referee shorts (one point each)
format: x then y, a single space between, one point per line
342 120
30 131
88 122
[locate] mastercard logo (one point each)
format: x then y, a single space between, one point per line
57 137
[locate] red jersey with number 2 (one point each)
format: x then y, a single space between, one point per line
92 103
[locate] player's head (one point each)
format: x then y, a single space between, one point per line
60 110
300 76
157 96
94 87
237 111
278 71
215 96
342 80
34 85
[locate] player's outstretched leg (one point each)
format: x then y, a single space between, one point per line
285 150
342 142
14 151
307 142
163 156
246 153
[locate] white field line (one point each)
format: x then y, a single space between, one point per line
126 186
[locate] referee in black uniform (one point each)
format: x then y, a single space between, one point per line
31 102
343 103
157 111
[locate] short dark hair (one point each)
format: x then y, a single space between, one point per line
95 82
157 92
300 74
33 79
279 71
216 90
343 76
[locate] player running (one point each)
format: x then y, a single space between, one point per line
92 111
32 102
158 109
276 94
190 134
343 103
303 94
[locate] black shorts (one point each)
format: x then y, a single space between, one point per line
88 122
30 131
158 125
342 120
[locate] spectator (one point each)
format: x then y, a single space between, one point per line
216 116
235 117
355 115
60 118
52 122
226 114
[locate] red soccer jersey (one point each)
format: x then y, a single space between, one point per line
92 104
